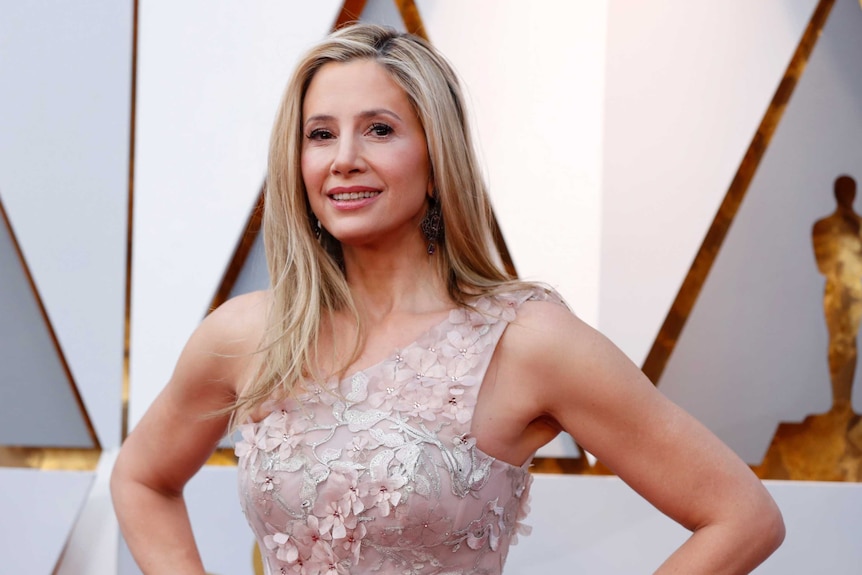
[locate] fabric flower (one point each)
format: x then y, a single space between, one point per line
467 318
323 557
382 492
383 399
459 371
246 445
359 446
267 480
353 542
271 430
427 526
463 344
422 402
308 536
420 365
342 487
287 550
299 567
377 472
336 518
459 406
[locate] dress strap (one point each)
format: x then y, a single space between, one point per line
505 305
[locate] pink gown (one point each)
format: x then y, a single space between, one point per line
384 476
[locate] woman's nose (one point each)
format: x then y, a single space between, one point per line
348 157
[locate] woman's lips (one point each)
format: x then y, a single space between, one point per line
352 195
351 198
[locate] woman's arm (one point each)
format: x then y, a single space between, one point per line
588 386
177 435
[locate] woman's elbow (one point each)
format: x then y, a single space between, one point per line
765 525
775 529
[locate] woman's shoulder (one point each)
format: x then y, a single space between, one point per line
524 299
245 306
234 329
543 329
221 351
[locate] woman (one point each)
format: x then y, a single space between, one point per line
394 383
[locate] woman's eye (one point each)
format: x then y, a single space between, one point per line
380 130
319 134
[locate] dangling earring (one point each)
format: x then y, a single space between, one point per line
432 225
315 224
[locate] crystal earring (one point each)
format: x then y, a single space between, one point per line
432 225
315 225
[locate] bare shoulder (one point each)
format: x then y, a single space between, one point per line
530 380
570 366
223 346
237 323
546 332
539 316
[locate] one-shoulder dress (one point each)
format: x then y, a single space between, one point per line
378 473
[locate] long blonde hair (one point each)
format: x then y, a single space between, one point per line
307 281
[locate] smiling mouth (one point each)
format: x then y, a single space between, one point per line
344 196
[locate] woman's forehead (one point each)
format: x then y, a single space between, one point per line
354 87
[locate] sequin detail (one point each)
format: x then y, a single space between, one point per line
378 473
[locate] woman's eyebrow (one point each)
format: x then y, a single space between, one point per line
362 115
378 112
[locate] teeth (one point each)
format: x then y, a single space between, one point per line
354 195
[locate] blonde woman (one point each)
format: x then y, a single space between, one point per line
393 384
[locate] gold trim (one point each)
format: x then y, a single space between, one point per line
688 293
51 333
351 11
222 457
50 459
561 465
240 253
411 18
127 327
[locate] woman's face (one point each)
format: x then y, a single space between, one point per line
364 158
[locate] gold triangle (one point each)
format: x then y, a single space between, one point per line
670 330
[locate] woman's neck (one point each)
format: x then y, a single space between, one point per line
394 282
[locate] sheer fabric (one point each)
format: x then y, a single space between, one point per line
378 473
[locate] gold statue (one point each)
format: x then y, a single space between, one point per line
838 250
828 446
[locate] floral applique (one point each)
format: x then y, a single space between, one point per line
379 474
